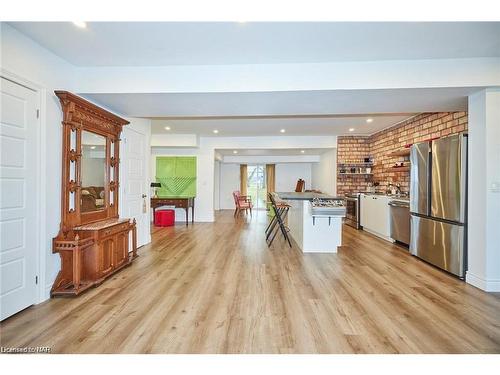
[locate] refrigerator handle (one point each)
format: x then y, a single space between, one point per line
429 180
464 179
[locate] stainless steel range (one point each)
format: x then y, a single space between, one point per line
328 207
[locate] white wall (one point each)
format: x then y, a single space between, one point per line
217 175
206 160
174 140
204 203
24 59
484 190
229 182
324 173
271 159
287 174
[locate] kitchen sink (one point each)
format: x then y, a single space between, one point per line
399 196
402 196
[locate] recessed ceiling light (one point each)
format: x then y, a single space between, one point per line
215 131
282 130
302 151
80 24
369 120
167 127
235 152
351 129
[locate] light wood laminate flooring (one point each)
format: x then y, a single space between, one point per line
218 288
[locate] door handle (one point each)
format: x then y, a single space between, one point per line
144 195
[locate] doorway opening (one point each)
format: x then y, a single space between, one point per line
256 185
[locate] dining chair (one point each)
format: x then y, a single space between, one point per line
242 203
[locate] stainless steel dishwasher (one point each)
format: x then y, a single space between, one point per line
400 221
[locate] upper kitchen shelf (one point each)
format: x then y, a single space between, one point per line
404 168
402 152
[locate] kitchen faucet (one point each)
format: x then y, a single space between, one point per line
397 186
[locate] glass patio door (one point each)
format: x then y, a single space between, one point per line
256 185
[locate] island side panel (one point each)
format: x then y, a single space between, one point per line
324 236
295 221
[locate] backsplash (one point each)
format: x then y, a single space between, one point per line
378 146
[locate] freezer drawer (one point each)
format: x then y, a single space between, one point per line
439 243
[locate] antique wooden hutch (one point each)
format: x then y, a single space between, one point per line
93 242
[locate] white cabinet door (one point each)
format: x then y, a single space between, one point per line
370 213
376 225
364 208
381 216
375 215
18 209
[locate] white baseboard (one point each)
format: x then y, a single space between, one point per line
46 294
481 283
379 235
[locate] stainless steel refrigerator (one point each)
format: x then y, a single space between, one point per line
438 202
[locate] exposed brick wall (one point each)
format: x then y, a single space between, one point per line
351 149
416 129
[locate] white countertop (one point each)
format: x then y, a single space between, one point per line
390 196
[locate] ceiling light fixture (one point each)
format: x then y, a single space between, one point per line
369 120
235 152
80 24
167 127
92 147
282 130
216 131
351 129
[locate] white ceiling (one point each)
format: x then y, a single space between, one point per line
216 43
271 126
307 112
272 152
277 103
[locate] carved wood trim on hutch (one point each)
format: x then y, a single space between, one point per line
88 256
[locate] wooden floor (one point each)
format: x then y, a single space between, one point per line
217 288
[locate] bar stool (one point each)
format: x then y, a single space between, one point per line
280 209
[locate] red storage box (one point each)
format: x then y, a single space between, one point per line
165 218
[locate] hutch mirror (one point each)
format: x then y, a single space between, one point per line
93 172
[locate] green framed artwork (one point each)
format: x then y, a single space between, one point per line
177 175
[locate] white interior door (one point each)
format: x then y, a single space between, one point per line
135 182
18 187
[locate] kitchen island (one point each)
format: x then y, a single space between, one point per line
315 221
